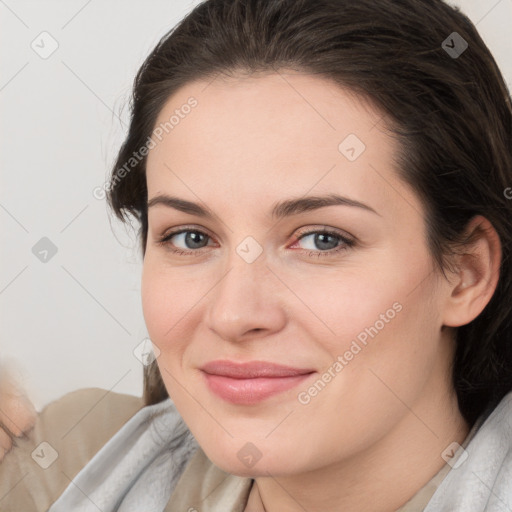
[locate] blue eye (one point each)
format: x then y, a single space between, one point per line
325 242
192 239
322 242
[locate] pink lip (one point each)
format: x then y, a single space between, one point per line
249 383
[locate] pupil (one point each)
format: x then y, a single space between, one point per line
321 240
192 238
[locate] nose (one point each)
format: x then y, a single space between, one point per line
246 302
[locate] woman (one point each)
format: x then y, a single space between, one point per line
321 188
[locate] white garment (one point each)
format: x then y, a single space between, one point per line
139 467
483 482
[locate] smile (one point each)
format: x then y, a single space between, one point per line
251 390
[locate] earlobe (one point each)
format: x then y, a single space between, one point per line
477 274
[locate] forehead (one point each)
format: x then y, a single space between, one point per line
277 134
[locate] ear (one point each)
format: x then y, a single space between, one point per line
477 274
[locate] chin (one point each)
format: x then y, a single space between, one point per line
248 461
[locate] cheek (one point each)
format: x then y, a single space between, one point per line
165 302
154 299
172 304
166 307
377 318
388 347
343 306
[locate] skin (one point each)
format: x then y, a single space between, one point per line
17 413
375 433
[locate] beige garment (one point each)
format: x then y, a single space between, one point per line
206 488
75 427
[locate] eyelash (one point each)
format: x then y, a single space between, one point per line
347 243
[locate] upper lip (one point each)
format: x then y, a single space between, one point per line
252 369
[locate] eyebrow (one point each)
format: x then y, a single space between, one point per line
280 210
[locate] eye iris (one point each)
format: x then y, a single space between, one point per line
321 240
194 237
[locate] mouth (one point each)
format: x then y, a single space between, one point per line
253 382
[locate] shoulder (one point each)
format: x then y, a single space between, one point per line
67 434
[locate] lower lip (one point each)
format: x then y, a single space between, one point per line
251 391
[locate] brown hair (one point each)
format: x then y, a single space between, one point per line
450 113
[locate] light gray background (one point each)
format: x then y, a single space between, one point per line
74 320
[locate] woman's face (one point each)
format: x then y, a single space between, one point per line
259 279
